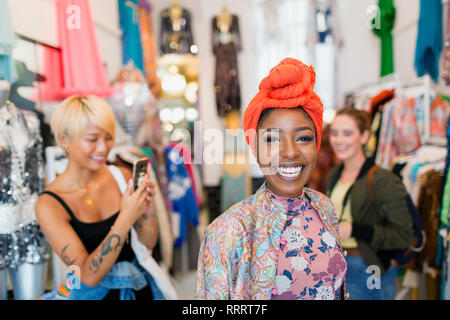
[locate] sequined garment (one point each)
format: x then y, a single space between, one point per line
176 34
226 45
131 103
239 253
21 180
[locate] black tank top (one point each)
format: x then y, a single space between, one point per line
92 234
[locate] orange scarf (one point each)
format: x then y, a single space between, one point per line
289 85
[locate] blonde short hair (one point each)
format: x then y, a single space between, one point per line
72 117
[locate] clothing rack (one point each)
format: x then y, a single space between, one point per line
416 87
388 81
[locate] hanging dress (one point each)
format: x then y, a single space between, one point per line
176 35
148 45
131 34
429 39
226 45
83 68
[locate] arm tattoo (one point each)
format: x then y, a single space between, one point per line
106 248
66 258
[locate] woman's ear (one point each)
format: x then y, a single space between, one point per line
365 137
63 141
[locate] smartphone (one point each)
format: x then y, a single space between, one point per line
139 171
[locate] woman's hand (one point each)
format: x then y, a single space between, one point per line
146 225
135 203
345 230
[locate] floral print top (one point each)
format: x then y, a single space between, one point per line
310 264
240 249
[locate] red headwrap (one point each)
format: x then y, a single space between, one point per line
290 84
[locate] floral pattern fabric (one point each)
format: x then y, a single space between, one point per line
310 264
239 252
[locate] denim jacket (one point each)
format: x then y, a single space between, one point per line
126 276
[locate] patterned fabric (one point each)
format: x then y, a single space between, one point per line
399 132
239 253
310 265
440 109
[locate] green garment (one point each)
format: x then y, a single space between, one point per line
387 21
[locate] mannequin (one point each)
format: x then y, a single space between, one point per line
226 45
224 20
175 15
23 249
131 100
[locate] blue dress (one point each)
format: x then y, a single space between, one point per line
429 39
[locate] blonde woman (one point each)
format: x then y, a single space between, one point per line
83 214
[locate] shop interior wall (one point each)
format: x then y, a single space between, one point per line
358 62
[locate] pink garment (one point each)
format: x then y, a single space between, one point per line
52 87
185 153
310 264
83 68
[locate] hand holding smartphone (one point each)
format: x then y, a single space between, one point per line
139 171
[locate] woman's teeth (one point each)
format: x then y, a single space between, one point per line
289 172
98 158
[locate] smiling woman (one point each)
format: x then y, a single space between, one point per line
282 242
286 149
83 213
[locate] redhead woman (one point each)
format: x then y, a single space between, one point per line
365 234
83 213
281 242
